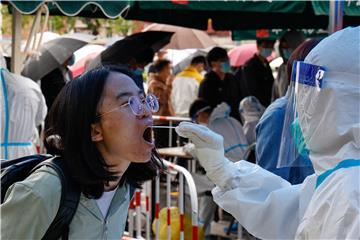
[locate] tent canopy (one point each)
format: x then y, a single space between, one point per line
95 9
225 15
273 34
236 15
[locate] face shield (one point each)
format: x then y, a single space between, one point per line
293 150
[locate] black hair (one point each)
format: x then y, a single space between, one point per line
216 54
161 64
261 41
68 134
198 60
145 56
197 105
300 54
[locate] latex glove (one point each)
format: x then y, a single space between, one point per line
189 148
209 151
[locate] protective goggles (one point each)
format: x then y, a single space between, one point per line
293 151
138 105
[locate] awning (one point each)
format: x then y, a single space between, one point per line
95 9
273 34
236 15
351 8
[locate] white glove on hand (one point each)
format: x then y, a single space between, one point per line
189 148
209 151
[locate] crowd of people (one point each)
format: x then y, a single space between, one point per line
282 153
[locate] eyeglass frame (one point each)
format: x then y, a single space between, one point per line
143 102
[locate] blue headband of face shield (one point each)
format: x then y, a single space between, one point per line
293 150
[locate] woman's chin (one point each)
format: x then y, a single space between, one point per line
143 159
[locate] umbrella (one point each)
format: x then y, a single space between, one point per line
239 55
52 55
183 37
178 67
80 66
123 50
80 36
83 56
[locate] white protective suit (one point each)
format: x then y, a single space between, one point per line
235 142
268 206
185 88
22 109
250 110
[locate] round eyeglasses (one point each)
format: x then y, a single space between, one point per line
138 105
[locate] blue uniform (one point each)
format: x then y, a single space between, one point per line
268 135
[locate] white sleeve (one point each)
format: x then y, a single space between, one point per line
265 204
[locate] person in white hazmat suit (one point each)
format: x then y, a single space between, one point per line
22 110
326 205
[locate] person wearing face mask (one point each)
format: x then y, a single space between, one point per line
274 135
288 43
137 64
219 85
326 205
257 75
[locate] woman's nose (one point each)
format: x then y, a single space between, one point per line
146 112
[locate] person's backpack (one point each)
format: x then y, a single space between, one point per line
18 169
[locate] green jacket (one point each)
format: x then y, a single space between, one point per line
31 205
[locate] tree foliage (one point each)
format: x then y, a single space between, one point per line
64 24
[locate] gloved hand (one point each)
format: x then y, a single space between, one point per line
209 151
189 148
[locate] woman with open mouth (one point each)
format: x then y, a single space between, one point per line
100 126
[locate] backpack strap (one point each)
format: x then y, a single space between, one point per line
70 197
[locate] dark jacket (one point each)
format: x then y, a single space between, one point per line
215 91
258 78
52 83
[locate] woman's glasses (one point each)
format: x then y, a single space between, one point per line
138 105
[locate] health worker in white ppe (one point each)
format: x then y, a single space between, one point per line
326 205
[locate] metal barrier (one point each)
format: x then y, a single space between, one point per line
135 205
171 120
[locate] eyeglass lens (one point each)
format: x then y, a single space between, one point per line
137 105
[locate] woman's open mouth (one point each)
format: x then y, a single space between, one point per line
147 135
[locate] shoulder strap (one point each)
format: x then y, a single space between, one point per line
70 197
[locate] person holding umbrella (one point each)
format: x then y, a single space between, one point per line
133 52
54 81
50 65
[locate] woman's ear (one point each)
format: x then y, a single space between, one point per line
96 132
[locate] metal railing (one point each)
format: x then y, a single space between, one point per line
135 206
170 120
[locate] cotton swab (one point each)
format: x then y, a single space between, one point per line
163 127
